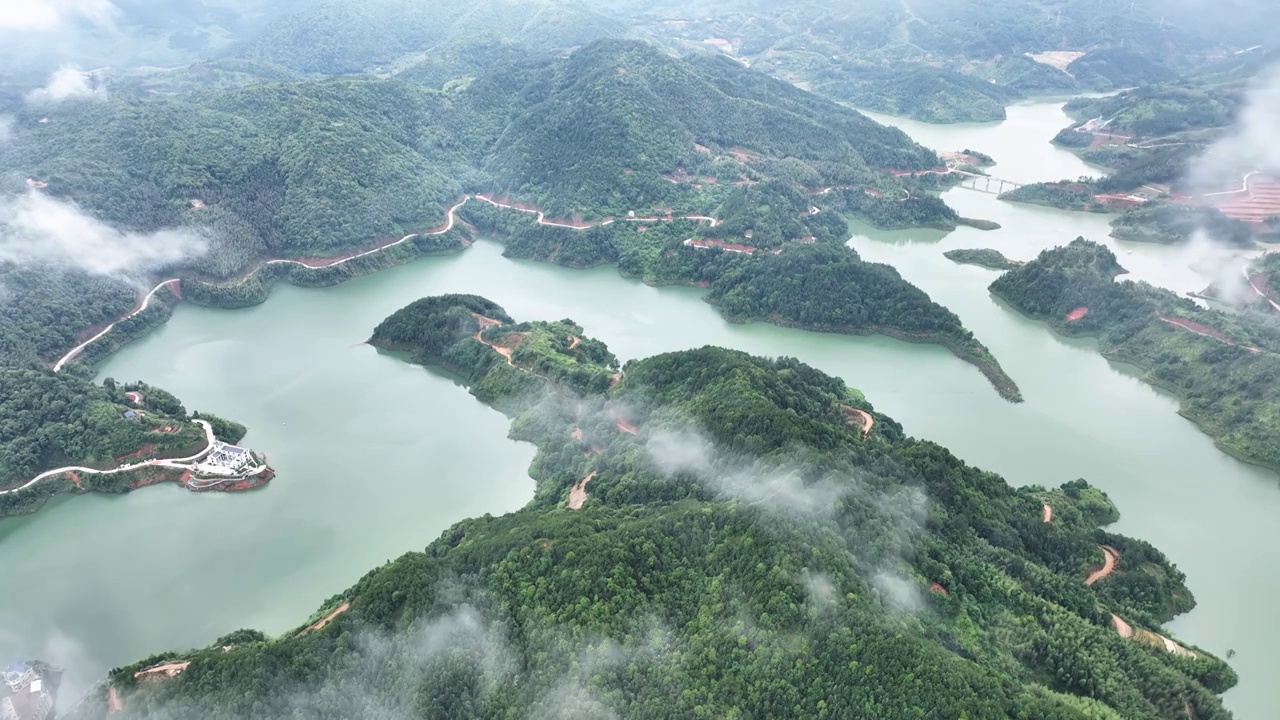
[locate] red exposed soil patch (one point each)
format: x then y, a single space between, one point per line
175 288
134 397
140 452
936 588
614 379
576 434
1076 314
74 477
161 672
859 418
113 701
1048 512
573 341
1109 558
578 493
156 478
1259 200
319 624
624 426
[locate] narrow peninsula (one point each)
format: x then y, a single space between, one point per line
704 510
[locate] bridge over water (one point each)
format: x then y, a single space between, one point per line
985 183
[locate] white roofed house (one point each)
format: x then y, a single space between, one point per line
226 460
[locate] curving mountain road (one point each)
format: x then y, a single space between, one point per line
450 221
167 462
146 300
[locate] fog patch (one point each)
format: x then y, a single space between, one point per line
760 483
65 83
1250 144
820 589
56 648
898 592
53 15
6 128
36 229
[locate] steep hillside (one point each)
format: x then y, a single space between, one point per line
601 129
373 35
714 535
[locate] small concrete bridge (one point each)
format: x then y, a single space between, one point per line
985 183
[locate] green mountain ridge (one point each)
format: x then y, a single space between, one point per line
739 536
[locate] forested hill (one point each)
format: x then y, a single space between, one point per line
1222 366
600 129
338 37
313 168
715 535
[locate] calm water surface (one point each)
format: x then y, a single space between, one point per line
376 457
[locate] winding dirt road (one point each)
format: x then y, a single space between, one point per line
1258 290
146 300
319 624
1108 564
170 462
450 221
542 218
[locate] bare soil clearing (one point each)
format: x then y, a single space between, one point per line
1076 314
161 672
578 493
1048 512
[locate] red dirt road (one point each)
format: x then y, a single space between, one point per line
1205 331
319 624
1108 564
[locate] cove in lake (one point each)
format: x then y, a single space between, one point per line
376 457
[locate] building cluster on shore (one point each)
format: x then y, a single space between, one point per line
28 691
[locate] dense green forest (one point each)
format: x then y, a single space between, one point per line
920 92
1167 222
983 257
54 420
814 283
42 309
314 168
1222 367
1065 194
1161 109
740 549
